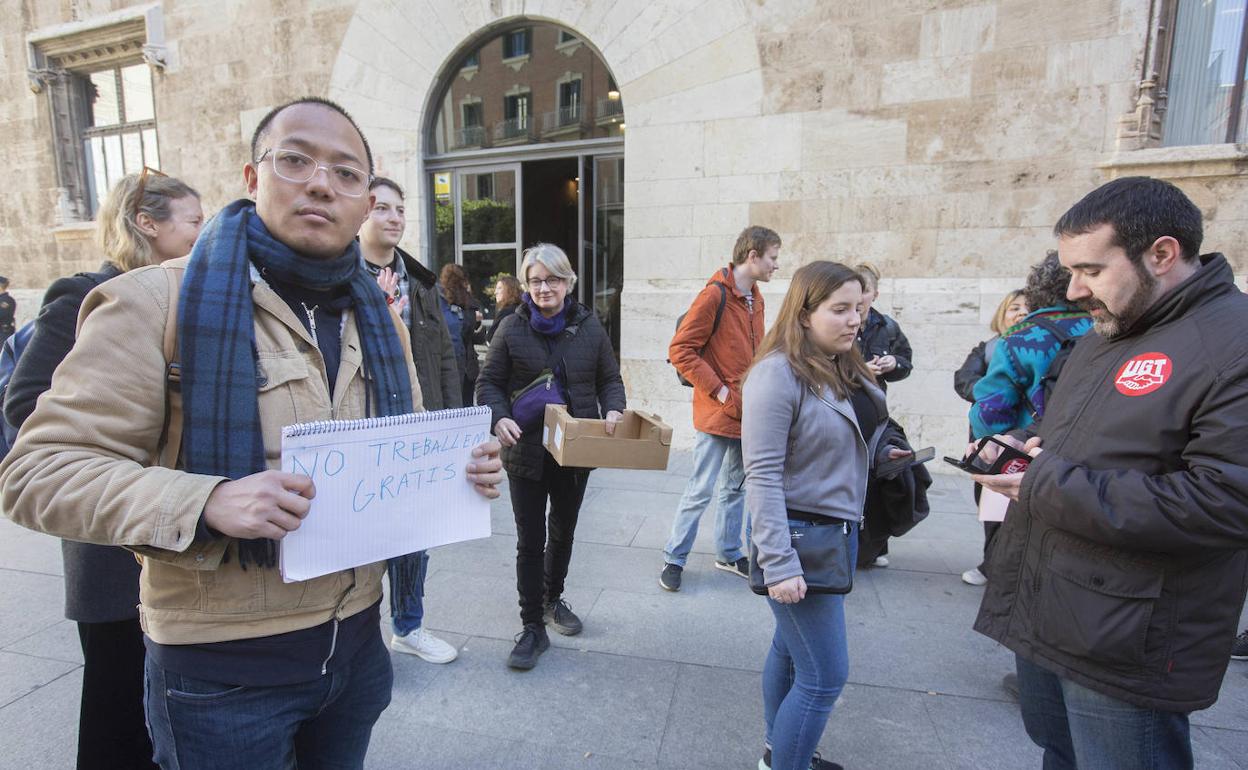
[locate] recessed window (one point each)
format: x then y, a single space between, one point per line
120 135
98 84
471 61
566 37
517 43
1205 86
569 102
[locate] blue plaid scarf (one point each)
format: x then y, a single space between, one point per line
216 335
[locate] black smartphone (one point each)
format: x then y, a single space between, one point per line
1010 460
891 467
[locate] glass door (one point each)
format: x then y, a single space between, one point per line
604 216
488 213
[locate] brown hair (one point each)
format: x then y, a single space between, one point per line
753 238
117 232
998 318
511 291
455 285
812 284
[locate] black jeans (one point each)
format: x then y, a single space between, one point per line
544 543
111 729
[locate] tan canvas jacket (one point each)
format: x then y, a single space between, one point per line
84 466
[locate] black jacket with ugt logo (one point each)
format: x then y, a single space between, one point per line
1123 565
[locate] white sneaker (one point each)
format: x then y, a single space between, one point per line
880 561
425 646
974 577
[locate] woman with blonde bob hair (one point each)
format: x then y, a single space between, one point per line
812 422
146 218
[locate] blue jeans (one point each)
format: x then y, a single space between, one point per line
805 671
406 621
1081 728
716 464
324 724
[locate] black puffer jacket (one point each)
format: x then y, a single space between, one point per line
1123 565
881 335
518 354
101 581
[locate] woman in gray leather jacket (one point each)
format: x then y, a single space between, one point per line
812 417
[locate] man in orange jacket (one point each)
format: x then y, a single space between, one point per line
714 357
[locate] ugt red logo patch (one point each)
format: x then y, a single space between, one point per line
1143 374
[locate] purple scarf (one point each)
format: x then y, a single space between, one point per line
551 327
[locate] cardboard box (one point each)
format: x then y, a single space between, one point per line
642 440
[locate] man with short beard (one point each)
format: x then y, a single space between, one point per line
1120 570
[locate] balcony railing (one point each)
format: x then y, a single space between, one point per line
608 109
565 117
513 128
471 136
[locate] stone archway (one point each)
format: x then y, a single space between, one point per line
690 75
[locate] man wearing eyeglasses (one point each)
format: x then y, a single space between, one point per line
276 323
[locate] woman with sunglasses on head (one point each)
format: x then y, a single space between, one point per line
549 334
812 422
146 219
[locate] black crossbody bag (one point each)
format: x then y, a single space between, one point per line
824 552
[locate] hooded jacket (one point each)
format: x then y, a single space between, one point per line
711 361
1123 565
881 335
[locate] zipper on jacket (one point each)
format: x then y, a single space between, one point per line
311 321
333 640
333 645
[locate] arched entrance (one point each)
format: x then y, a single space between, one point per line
525 145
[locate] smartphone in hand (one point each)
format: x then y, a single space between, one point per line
1009 460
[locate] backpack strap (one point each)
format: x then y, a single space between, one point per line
170 446
719 311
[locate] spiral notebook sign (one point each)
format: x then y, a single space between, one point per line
385 487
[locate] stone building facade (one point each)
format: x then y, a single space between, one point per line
938 139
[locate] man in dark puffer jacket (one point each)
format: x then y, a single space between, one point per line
1119 573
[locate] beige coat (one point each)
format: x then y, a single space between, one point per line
85 464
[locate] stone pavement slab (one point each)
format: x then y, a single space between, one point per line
657 680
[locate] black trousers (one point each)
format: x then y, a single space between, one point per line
112 732
544 542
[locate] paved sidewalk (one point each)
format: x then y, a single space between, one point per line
657 680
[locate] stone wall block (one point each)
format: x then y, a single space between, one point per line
889 37
815 184
835 139
753 145
1025 23
720 218
666 152
670 257
1089 62
1012 69
733 54
747 188
658 221
957 31
707 102
695 191
926 79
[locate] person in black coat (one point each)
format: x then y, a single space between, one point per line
146 219
880 339
507 293
457 293
548 330
8 311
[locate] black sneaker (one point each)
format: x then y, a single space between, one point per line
740 567
669 578
816 762
561 616
530 643
1239 650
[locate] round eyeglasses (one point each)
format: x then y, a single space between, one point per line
294 166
